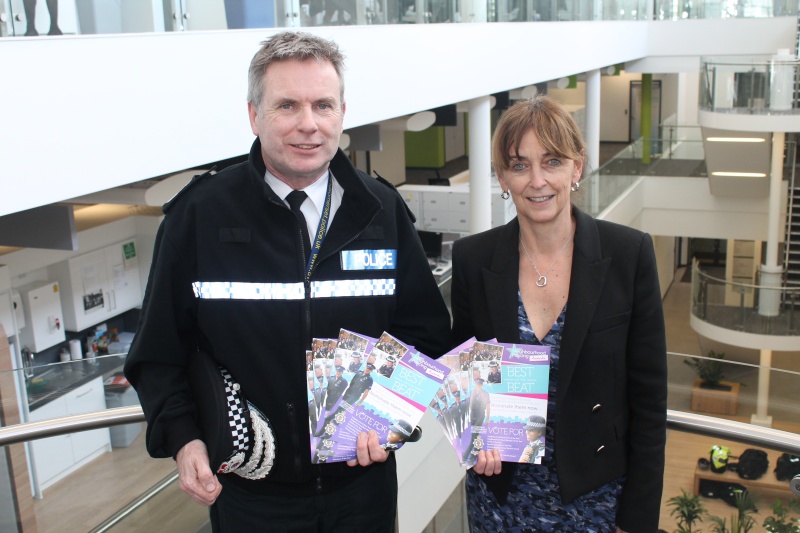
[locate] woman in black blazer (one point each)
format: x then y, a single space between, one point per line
589 290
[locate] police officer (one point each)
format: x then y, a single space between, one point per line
534 429
360 386
494 372
336 387
479 411
355 363
387 368
398 433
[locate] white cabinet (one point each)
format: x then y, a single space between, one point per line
56 457
446 208
99 285
44 322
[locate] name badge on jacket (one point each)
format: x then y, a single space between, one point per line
369 259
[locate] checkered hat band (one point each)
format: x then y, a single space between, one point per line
237 415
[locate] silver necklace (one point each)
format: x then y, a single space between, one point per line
541 281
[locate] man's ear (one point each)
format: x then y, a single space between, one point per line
252 113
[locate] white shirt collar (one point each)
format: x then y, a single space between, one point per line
316 191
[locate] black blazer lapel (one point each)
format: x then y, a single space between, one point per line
588 276
501 281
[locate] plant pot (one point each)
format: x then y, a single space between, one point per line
717 401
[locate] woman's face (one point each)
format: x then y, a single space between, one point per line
539 182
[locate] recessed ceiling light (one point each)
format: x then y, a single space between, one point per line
740 174
736 139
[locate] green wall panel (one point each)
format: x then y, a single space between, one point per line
425 149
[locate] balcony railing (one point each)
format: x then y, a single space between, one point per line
133 16
125 490
677 151
739 306
753 86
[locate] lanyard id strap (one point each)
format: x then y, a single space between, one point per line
322 228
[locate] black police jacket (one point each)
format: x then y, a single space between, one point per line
228 278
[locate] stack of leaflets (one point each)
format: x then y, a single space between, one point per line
494 397
358 383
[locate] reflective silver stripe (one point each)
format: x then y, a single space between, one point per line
353 287
228 290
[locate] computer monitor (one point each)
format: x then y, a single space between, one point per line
431 243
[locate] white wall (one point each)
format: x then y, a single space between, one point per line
108 110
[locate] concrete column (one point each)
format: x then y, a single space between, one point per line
593 119
761 418
771 271
480 169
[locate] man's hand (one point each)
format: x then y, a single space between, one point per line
489 463
368 450
196 478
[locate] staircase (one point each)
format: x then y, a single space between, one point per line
791 261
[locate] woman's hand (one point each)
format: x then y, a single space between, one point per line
489 463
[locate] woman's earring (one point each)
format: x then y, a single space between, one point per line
575 186
505 195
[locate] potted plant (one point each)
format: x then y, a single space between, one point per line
742 520
709 370
710 393
687 509
780 522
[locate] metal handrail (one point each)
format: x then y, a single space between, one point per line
70 424
678 420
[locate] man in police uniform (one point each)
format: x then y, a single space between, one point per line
479 411
253 263
360 386
336 386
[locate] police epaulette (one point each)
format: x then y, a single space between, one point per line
383 180
195 179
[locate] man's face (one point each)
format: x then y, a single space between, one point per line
300 120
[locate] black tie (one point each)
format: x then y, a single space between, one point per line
296 199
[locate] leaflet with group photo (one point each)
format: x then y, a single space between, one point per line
450 406
512 380
392 404
495 397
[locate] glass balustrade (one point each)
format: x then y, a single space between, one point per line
124 490
748 85
20 18
74 481
677 152
755 309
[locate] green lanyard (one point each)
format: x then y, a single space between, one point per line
321 230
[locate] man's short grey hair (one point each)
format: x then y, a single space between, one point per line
287 46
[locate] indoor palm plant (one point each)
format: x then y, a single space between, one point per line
708 370
687 509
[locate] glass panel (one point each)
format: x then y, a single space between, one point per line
755 309
748 86
85 17
679 152
80 479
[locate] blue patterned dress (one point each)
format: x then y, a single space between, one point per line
534 502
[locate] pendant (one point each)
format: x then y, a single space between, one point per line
541 282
